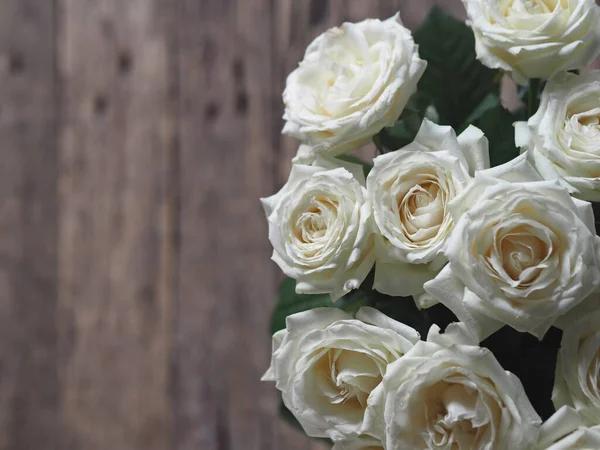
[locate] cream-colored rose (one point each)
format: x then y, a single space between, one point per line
320 227
564 430
410 190
577 380
304 155
354 80
522 253
535 38
562 139
447 393
361 443
582 438
326 363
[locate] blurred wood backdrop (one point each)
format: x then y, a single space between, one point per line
136 137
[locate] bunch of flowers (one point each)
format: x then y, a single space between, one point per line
445 295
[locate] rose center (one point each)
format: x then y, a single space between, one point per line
529 7
584 119
521 252
421 211
421 196
348 75
518 253
589 121
313 223
580 138
451 415
350 377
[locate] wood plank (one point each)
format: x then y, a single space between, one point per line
29 397
227 284
116 247
413 12
296 24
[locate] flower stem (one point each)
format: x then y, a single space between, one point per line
532 98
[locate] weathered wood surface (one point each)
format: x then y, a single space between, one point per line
135 284
117 140
29 381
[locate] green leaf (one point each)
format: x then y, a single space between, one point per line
489 102
533 96
355 300
454 80
497 125
404 131
356 160
396 137
290 303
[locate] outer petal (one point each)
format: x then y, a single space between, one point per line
522 135
401 279
517 170
435 137
361 443
304 155
456 334
564 421
374 317
449 290
475 147
330 163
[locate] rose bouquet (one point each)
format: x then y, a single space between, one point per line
444 295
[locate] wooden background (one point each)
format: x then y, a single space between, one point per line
136 137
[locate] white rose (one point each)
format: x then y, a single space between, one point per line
535 38
409 190
320 228
354 80
361 443
581 439
326 364
447 393
565 431
577 380
563 138
522 252
304 155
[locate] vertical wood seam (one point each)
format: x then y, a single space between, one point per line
173 213
275 99
57 93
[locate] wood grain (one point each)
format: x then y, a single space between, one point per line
116 239
29 387
135 283
226 281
